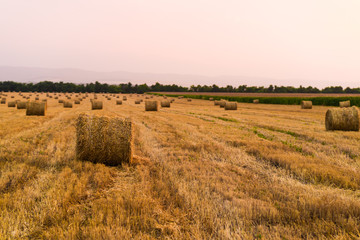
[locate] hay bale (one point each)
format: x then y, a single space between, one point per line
137 101
77 101
216 103
222 104
118 102
256 101
211 99
12 97
306 104
151 105
345 119
21 105
104 140
36 108
124 98
344 104
61 101
12 104
37 98
230 106
67 104
3 100
95 105
165 104
189 99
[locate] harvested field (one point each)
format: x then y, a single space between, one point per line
198 172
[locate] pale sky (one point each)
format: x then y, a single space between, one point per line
287 39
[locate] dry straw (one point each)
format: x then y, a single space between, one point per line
222 104
344 104
104 140
230 106
21 105
306 104
95 105
118 102
67 104
346 119
151 105
165 104
36 108
12 104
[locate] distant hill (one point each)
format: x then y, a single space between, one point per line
31 74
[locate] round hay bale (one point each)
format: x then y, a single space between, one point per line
124 98
216 103
3 100
36 108
222 104
137 101
37 98
151 105
12 97
96 105
165 104
67 104
256 101
21 105
345 119
344 104
230 106
61 101
306 104
12 104
189 99
104 140
77 101
118 102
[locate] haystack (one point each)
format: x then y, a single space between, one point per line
104 140
124 98
96 105
77 101
256 101
21 105
67 104
346 119
165 104
36 108
61 101
118 102
230 106
222 104
306 104
3 100
216 103
189 99
344 104
12 104
151 105
137 101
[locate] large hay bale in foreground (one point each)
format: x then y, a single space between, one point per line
151 105
67 104
306 104
96 105
104 140
346 119
12 104
165 104
36 108
344 104
230 106
118 102
21 105
256 101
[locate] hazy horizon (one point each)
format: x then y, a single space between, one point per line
303 42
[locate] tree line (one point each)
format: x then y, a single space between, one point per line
97 87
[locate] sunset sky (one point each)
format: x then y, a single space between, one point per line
287 39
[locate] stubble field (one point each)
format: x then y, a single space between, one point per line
199 172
